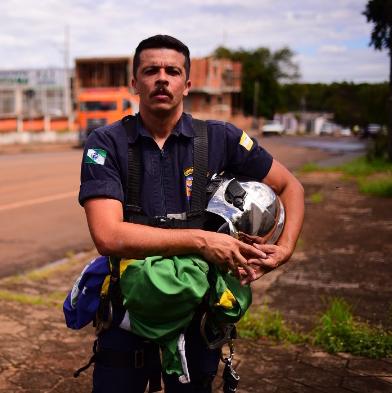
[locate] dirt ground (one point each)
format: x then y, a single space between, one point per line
344 251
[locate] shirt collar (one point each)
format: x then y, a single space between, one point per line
183 126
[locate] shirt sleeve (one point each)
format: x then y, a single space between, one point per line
100 169
244 155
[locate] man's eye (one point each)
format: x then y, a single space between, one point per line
173 71
150 71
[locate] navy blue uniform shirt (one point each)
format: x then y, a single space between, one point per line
167 173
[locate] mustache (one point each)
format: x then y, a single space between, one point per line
161 90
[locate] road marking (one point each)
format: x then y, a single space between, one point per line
37 201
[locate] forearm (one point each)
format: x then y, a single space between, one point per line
113 236
139 241
292 197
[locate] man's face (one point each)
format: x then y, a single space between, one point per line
161 80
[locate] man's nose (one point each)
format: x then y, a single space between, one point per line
162 77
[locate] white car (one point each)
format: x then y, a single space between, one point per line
273 127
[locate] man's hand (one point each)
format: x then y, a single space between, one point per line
223 249
276 255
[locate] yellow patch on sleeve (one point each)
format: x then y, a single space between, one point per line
227 300
246 141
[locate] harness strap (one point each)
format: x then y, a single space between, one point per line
200 167
134 168
133 211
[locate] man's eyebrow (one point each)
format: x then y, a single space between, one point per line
166 67
154 65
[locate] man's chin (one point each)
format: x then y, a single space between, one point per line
163 110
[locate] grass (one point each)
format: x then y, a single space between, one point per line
267 323
361 166
45 272
316 197
381 186
337 330
310 167
374 177
50 299
53 298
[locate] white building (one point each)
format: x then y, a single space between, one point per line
34 92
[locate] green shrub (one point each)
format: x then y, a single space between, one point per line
338 331
263 322
379 187
362 166
373 176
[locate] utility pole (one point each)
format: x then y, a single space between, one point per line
67 81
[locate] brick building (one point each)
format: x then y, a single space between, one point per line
216 88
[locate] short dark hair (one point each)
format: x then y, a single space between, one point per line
162 41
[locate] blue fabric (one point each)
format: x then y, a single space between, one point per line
165 174
81 303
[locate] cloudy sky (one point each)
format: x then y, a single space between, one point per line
330 38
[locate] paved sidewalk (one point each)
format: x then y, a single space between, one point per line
39 354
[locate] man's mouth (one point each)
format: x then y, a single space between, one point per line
161 92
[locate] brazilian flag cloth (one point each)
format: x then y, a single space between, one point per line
161 296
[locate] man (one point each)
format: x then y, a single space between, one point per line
165 135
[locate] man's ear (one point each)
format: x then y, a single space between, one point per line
188 85
133 84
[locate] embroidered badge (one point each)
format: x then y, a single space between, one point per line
246 141
188 173
188 186
95 156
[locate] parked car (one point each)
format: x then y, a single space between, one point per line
273 127
327 128
371 130
345 131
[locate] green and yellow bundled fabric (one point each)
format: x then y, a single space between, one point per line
161 296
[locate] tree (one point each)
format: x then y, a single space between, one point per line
352 104
268 69
379 12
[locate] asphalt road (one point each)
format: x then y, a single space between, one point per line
41 220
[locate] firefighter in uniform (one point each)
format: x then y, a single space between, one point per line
165 136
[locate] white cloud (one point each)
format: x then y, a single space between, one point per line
332 49
323 34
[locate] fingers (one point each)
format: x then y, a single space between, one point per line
240 262
252 251
247 280
266 248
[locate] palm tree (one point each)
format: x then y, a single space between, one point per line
379 12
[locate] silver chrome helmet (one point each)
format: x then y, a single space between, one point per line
245 208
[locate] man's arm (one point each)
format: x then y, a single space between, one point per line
291 193
112 236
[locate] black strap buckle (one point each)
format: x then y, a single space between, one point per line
104 317
133 208
227 333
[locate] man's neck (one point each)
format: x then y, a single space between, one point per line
160 125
